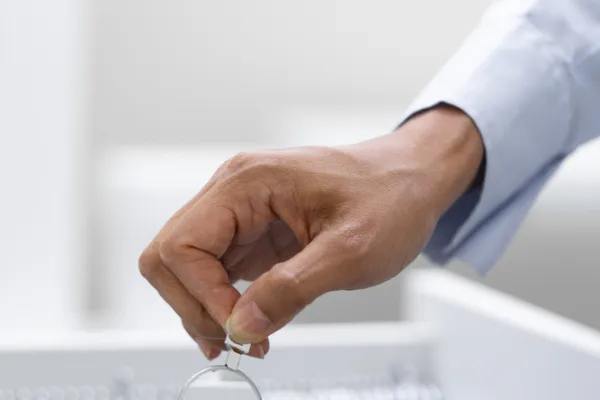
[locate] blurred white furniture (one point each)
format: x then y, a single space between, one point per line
471 342
493 346
43 163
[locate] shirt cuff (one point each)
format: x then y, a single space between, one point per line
511 81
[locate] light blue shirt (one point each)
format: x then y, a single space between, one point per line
529 77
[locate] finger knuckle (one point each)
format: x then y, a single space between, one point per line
291 286
355 240
255 164
240 161
147 263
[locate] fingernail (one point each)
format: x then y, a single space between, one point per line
214 353
257 351
206 349
248 324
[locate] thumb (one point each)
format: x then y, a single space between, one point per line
278 295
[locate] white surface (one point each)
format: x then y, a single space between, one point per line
292 336
203 390
297 353
480 345
42 162
495 347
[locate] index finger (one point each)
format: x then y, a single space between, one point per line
191 252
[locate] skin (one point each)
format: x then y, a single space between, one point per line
302 222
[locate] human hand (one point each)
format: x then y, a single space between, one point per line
305 221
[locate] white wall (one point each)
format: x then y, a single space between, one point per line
189 71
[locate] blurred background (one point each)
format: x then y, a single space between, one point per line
114 113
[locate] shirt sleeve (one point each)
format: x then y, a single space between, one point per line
529 77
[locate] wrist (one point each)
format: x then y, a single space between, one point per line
448 144
441 146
